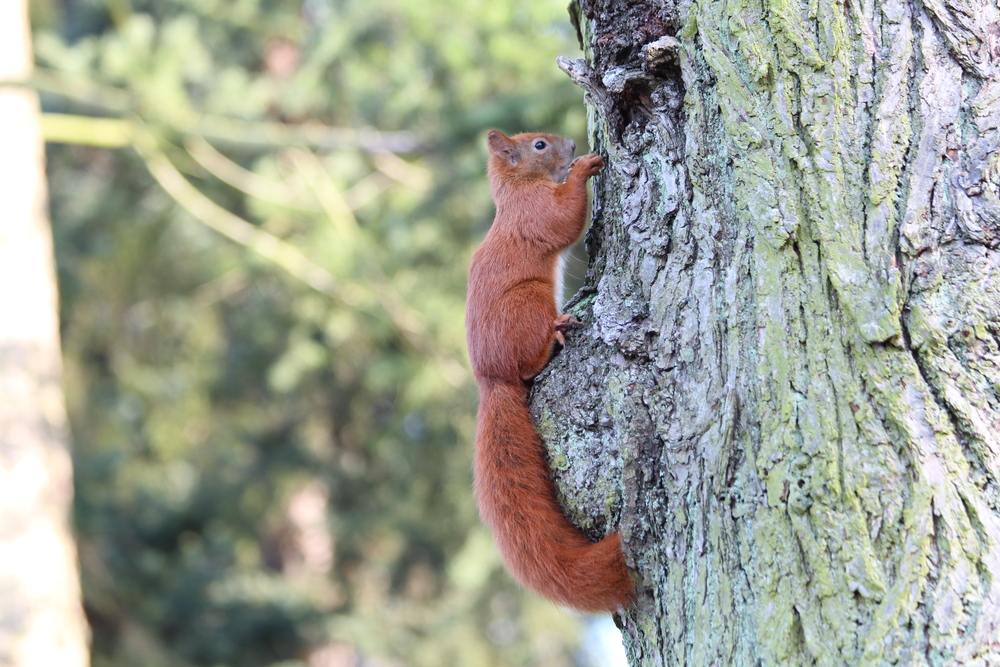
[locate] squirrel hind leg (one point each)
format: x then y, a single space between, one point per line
566 321
563 323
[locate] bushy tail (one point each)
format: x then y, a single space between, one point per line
516 497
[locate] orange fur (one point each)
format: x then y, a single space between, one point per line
511 322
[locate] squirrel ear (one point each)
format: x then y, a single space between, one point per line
502 146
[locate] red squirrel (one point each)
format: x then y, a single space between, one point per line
512 324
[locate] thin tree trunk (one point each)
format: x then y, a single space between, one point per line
787 393
41 619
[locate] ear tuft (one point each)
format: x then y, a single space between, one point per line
502 146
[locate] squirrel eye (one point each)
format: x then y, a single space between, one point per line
539 145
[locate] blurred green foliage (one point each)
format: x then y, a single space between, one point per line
272 469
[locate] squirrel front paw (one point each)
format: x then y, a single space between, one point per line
588 165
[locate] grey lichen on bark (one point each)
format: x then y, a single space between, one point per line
786 394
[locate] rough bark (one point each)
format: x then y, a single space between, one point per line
787 394
41 619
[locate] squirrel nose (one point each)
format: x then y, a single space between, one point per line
572 146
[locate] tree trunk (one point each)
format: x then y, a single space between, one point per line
787 391
41 620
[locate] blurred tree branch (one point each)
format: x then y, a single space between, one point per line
203 131
389 169
219 130
407 322
86 130
282 253
244 180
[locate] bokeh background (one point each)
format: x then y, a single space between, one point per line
263 215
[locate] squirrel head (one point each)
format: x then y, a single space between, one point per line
530 156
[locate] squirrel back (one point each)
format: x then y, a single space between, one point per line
513 323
